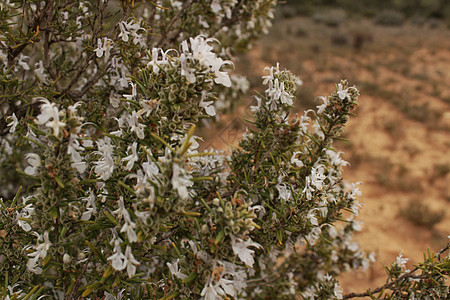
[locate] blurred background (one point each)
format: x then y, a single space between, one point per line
397 53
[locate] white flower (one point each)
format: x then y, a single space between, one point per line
241 249
318 130
355 192
132 158
215 6
312 217
65 15
26 212
114 99
317 177
310 293
202 51
39 71
401 261
3 56
13 123
109 296
270 77
222 77
123 31
173 267
23 63
321 108
180 182
284 192
35 162
337 291
133 92
136 127
121 210
118 259
295 160
209 293
257 107
72 149
202 22
356 225
41 252
104 47
66 258
156 63
50 116
308 190
342 93
130 262
277 92
274 90
226 287
90 206
105 166
313 236
335 158
150 169
208 106
333 232
128 227
130 28
23 224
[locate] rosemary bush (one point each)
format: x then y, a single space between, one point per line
104 193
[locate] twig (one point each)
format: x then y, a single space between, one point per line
75 290
14 51
91 56
392 283
182 11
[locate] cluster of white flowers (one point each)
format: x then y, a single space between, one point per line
277 94
199 49
120 261
227 279
50 116
132 29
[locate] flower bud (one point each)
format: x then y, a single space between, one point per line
66 258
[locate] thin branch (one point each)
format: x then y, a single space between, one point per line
14 51
183 11
91 56
392 283
75 290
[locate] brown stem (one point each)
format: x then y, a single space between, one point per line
14 51
75 290
91 56
182 11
